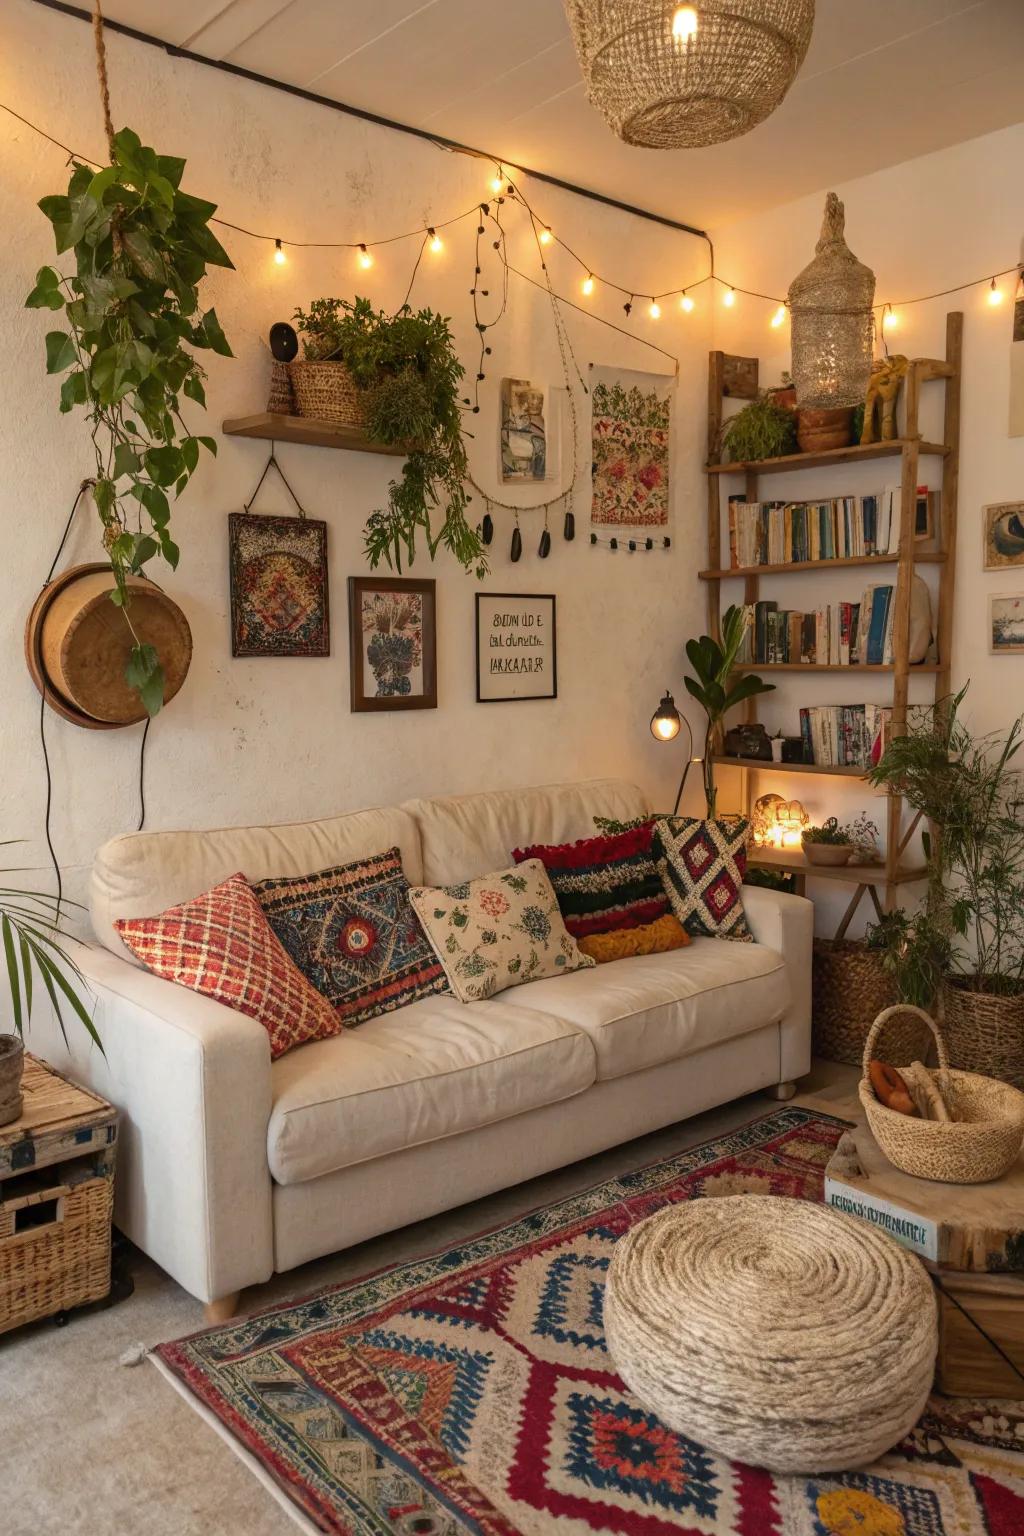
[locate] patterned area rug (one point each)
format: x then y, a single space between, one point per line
472 1392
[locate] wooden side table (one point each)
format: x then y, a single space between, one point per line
56 1198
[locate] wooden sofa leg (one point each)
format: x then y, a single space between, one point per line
781 1091
221 1310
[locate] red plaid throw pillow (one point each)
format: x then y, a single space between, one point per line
220 944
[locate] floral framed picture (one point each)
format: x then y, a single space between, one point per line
392 643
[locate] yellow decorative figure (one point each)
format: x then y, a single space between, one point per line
852 1512
887 375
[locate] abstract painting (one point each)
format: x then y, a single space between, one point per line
523 431
1006 616
1004 535
393 648
630 439
279 591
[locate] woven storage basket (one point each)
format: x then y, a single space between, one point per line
985 1032
981 1142
848 989
328 392
64 1261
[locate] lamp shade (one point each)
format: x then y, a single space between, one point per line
665 721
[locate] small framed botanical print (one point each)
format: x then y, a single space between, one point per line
1004 535
1006 624
392 643
279 589
515 647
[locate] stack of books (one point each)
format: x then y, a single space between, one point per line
835 634
845 735
781 532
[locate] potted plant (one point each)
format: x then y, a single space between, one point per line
915 950
716 692
970 790
835 845
763 429
407 374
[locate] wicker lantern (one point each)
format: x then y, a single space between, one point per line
671 76
830 305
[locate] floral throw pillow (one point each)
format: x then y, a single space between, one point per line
496 932
702 864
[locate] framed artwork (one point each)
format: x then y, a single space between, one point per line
279 592
926 513
392 643
1004 535
524 431
516 655
631 420
1006 624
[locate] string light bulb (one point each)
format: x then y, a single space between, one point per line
994 295
497 181
588 285
436 243
546 236
686 303
684 22
655 310
890 319
779 317
279 255
365 259
729 298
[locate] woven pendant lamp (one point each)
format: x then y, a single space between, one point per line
830 305
672 76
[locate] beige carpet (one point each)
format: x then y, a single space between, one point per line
91 1448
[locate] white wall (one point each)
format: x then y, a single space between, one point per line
265 740
922 226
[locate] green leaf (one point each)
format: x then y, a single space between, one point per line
164 464
144 549
12 970
104 494
101 181
161 189
210 248
60 352
46 294
193 388
190 452
169 549
210 444
145 258
144 673
126 460
58 211
214 336
73 391
156 504
172 167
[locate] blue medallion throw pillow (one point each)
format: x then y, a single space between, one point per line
702 864
352 933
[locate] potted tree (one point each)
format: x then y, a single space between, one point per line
715 689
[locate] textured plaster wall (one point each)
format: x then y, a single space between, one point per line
267 740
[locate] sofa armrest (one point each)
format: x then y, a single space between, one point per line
191 1079
786 923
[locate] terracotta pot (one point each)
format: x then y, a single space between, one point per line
828 853
818 430
785 396
12 1062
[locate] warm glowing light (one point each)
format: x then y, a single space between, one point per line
890 320
497 181
436 243
684 22
588 285
729 297
995 295
779 317
655 310
365 259
279 255
686 303
546 236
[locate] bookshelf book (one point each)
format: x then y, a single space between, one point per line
889 681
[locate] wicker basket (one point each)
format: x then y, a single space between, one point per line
849 987
982 1140
328 392
12 1061
985 1032
54 1245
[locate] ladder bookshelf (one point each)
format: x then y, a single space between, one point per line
880 882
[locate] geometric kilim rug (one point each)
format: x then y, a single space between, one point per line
472 1391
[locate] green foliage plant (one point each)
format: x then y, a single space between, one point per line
140 247
30 934
915 950
860 835
408 370
761 430
716 691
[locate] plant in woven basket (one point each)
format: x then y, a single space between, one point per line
405 365
141 247
714 688
915 950
761 430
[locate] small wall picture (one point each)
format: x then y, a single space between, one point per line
1006 616
524 432
392 643
515 647
1004 535
926 513
279 591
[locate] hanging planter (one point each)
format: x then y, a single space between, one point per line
830 307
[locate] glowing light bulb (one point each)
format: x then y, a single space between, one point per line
779 317
655 310
890 320
588 285
729 298
684 22
686 303
995 295
365 259
436 243
497 181
279 255
546 236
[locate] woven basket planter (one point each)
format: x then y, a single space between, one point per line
983 1139
327 392
985 1032
12 1062
849 988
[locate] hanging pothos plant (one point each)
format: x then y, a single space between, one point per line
141 248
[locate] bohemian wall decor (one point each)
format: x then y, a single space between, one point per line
524 433
1006 624
1004 535
280 601
516 655
832 332
684 76
631 434
392 643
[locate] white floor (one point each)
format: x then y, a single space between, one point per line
91 1448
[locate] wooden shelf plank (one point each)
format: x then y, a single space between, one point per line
308 430
759 765
924 557
832 666
790 861
852 454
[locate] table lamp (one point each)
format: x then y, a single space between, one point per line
665 724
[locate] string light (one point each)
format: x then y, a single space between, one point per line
890 319
686 303
497 181
365 259
729 297
436 243
546 236
655 310
779 317
995 295
684 22
588 285
279 255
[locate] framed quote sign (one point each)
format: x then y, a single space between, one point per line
515 647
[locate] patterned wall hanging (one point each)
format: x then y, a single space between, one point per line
392 643
279 587
631 436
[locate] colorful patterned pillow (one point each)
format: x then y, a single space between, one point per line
221 945
604 883
652 939
498 931
608 824
353 934
702 864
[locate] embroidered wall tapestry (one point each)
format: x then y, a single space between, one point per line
631 429
279 593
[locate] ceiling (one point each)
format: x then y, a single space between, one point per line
883 81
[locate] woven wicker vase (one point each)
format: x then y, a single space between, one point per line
327 392
849 988
984 1033
12 1062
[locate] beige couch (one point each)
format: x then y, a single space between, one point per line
231 1167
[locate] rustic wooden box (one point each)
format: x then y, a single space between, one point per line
968 1365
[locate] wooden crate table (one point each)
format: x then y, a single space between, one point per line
56 1198
971 1236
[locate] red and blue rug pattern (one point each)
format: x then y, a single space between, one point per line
472 1391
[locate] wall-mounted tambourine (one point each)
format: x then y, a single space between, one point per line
77 645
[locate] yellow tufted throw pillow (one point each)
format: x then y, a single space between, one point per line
650 939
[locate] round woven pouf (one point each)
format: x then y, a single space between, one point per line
775 1332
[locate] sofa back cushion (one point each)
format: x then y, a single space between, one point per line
146 872
466 836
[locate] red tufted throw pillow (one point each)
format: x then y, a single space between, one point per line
221 945
604 883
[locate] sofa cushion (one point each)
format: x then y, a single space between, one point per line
430 1070
653 1008
703 864
604 883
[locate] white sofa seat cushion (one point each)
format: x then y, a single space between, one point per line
427 1071
654 1008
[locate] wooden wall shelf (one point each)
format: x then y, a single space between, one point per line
923 557
834 666
308 430
764 765
790 861
854 454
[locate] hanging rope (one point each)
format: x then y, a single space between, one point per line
101 74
